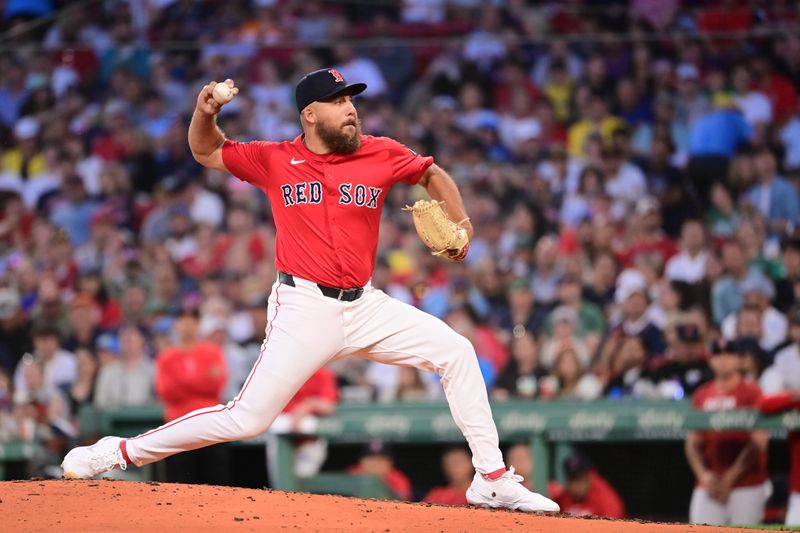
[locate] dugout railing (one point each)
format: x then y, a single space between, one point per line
549 428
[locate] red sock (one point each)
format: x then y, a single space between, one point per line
124 450
491 476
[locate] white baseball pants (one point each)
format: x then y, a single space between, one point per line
745 506
305 330
793 511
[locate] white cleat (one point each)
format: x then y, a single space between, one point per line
86 462
507 492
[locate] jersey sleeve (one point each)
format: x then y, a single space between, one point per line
407 165
248 161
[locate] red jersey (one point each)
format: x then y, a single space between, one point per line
721 448
322 385
601 500
775 404
327 208
190 379
447 495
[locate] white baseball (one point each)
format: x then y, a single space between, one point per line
222 93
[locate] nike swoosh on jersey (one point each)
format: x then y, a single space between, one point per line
297 161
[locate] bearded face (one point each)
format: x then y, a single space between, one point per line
344 138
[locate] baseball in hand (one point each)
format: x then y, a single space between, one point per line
222 93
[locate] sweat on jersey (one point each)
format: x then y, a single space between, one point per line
327 208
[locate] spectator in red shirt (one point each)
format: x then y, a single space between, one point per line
377 461
191 375
457 468
586 492
730 467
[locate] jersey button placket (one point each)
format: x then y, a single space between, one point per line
333 205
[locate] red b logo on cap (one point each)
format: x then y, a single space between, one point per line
336 76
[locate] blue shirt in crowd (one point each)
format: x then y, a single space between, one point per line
718 133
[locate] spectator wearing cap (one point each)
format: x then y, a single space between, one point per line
127 379
689 265
586 492
377 460
757 293
780 385
681 370
730 467
458 471
25 161
520 378
726 291
690 102
773 197
59 366
633 299
713 139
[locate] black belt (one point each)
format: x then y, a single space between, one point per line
345 295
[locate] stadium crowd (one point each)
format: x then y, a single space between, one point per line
634 196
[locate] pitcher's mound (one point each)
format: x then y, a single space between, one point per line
164 507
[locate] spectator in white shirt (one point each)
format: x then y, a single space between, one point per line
754 104
60 366
128 380
757 291
690 264
355 67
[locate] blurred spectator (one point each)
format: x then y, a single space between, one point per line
458 471
568 379
780 384
377 460
191 375
127 380
59 367
681 371
586 492
632 297
622 364
726 291
773 197
689 264
238 361
595 120
771 325
730 467
713 139
521 376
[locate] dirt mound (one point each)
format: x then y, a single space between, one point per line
163 507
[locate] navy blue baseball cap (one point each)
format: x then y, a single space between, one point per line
323 84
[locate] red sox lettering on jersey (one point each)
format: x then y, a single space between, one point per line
327 207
